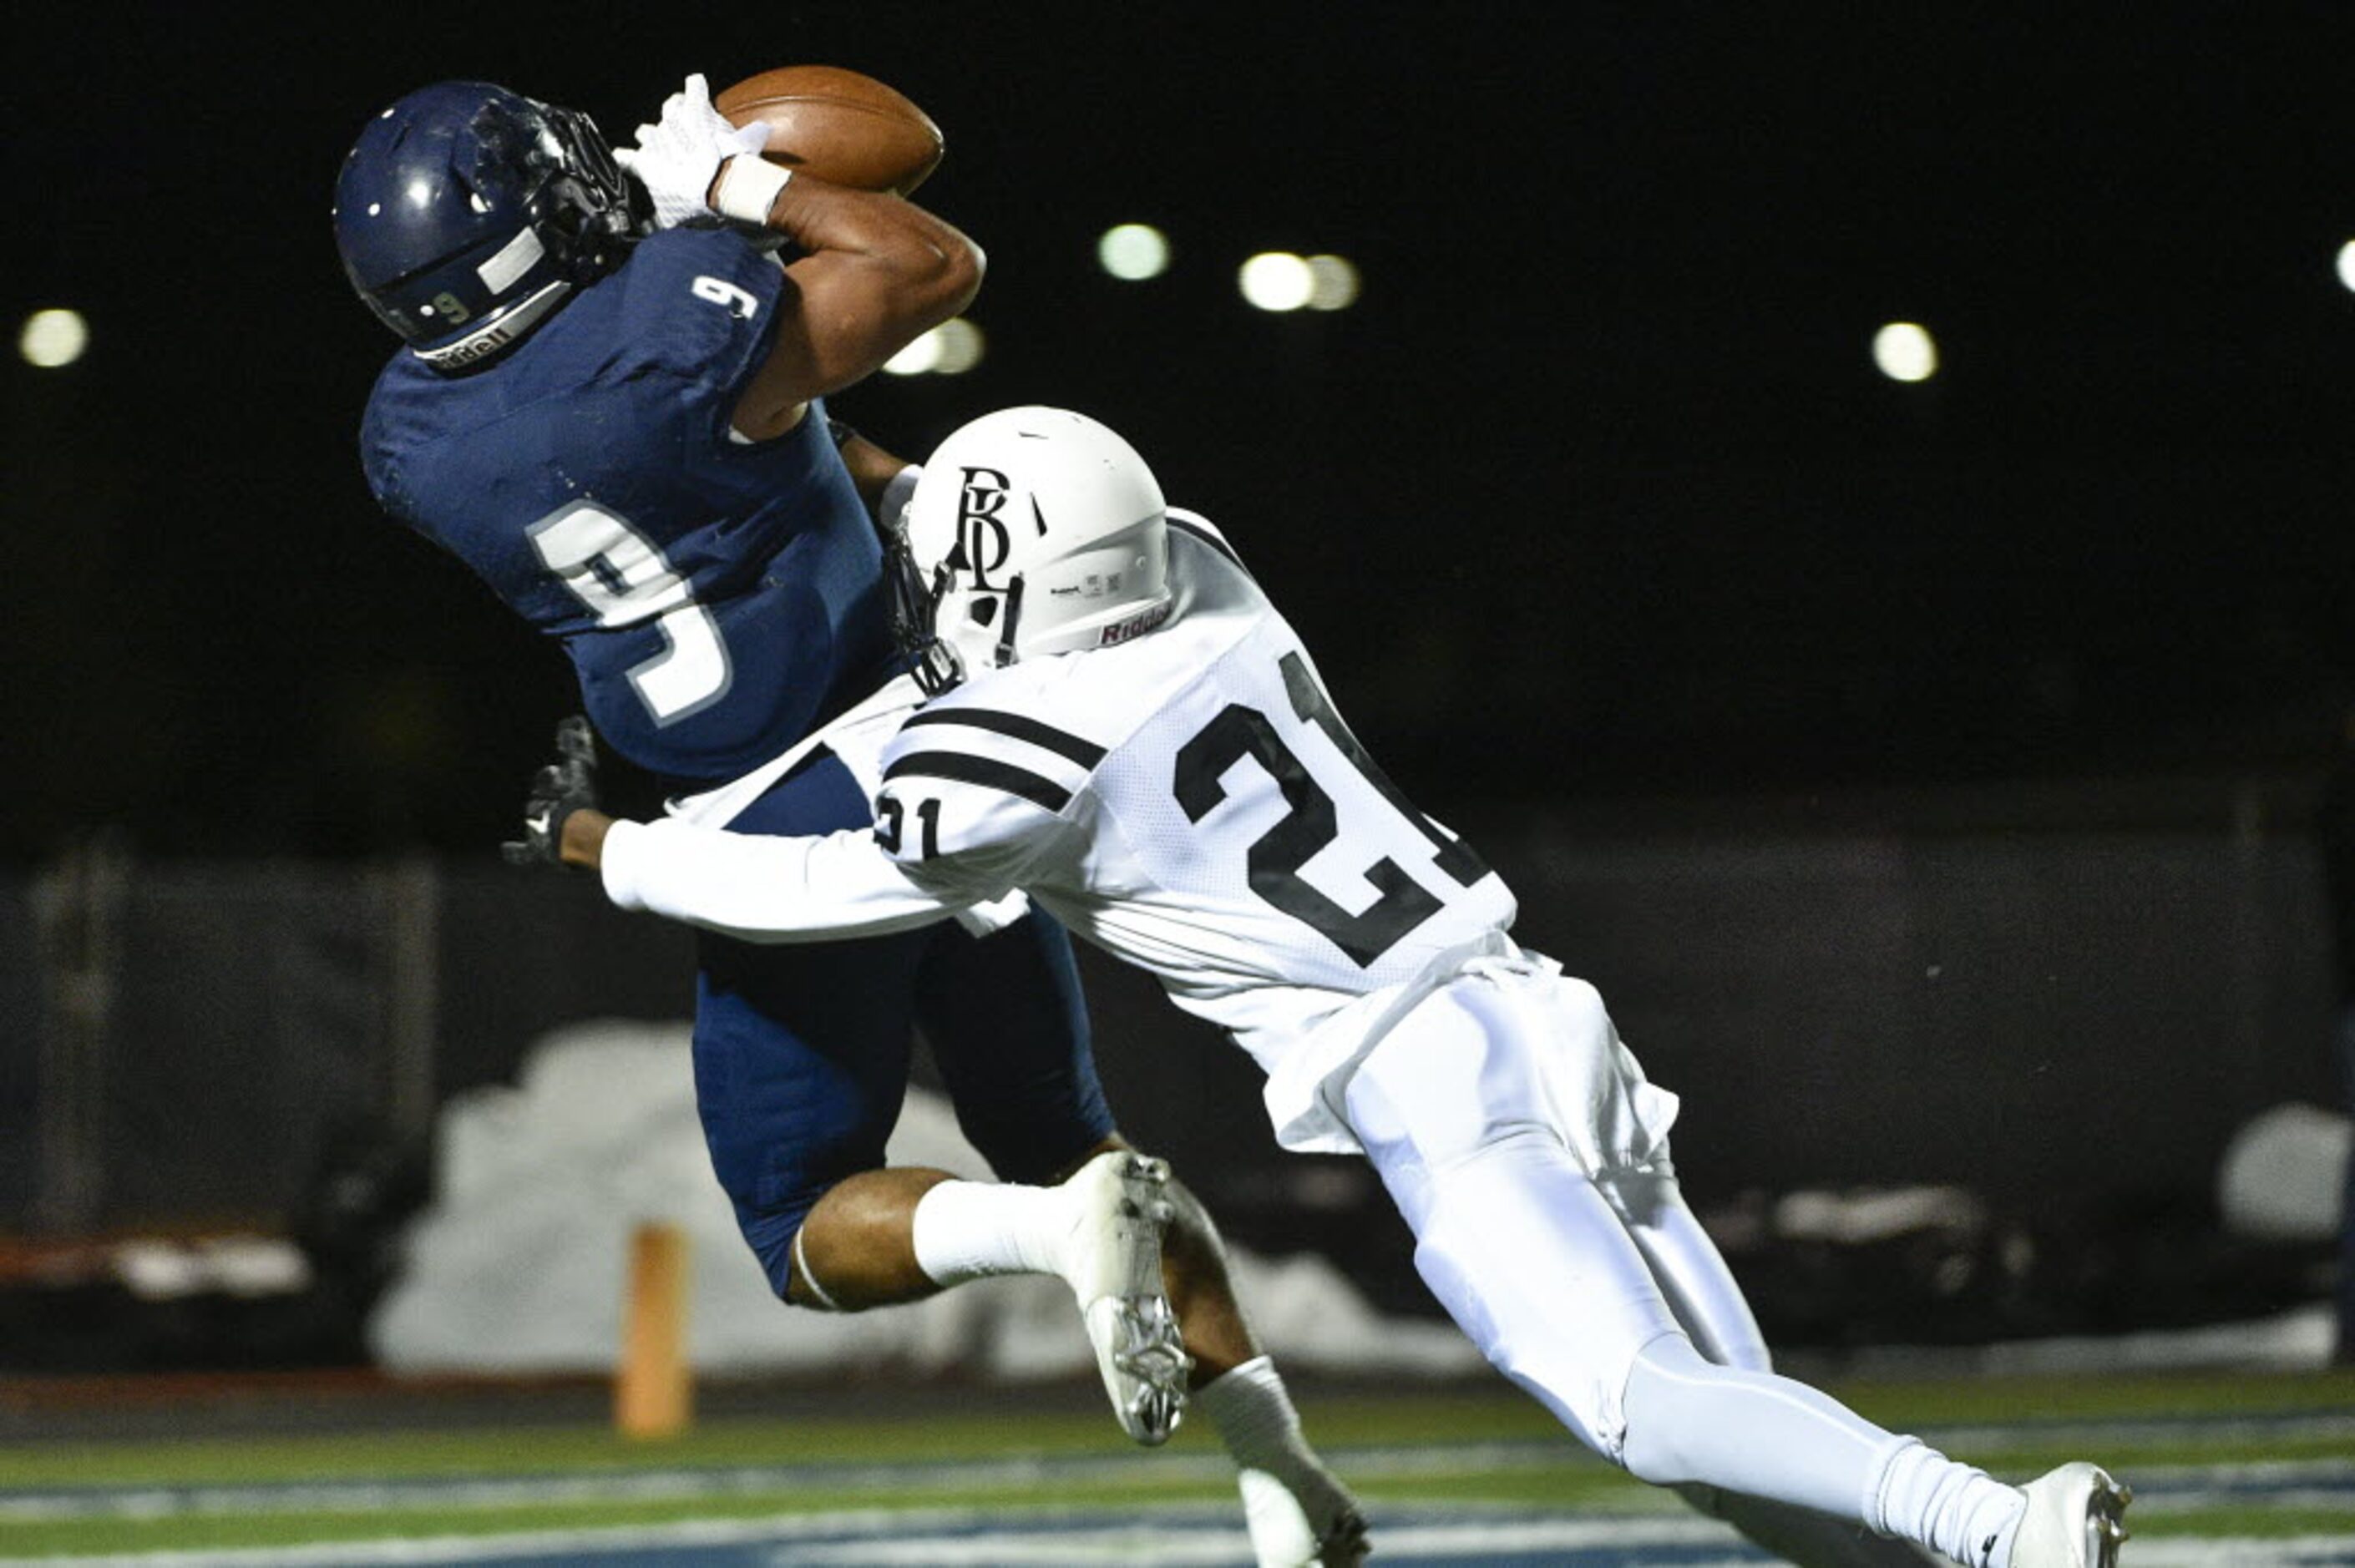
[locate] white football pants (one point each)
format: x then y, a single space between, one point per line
1549 1225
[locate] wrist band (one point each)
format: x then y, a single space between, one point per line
749 184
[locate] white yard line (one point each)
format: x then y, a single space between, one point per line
969 1538
690 1483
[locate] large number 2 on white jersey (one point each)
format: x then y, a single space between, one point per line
623 579
1275 858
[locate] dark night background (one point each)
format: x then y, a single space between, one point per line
1595 493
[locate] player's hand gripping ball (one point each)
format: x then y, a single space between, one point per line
563 787
677 157
840 126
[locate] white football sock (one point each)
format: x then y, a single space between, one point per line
976 1230
1255 1419
1290 1499
1963 1513
1769 1436
1749 1432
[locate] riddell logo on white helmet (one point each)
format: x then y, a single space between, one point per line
1134 626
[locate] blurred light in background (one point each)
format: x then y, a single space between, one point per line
2347 264
951 348
917 358
1133 251
52 338
961 346
1333 283
1905 352
1277 280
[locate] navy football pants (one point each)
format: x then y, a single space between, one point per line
802 1051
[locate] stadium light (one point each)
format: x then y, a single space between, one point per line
920 355
1333 283
961 346
1277 280
951 348
1905 352
1133 251
2347 264
52 338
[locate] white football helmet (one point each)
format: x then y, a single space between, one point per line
1032 530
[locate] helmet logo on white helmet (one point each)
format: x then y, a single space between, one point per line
973 578
982 541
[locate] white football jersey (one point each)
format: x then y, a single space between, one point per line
1188 801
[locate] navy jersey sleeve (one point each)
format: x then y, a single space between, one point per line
712 351
693 311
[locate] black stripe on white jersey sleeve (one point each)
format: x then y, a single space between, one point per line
1015 727
966 824
962 767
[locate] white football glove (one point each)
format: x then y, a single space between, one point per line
677 159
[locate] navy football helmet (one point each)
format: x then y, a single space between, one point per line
466 213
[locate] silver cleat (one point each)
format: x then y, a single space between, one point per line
1115 1272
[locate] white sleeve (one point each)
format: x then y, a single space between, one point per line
768 889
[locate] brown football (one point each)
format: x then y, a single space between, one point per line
841 126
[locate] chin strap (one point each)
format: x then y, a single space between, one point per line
1010 617
936 670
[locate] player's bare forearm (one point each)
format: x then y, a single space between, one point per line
875 273
925 252
583 841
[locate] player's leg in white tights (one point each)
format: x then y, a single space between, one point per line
1691 1271
1461 1109
1709 1303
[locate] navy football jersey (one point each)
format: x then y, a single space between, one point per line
717 597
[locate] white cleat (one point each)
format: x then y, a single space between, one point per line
1114 1269
1282 1535
2075 1519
